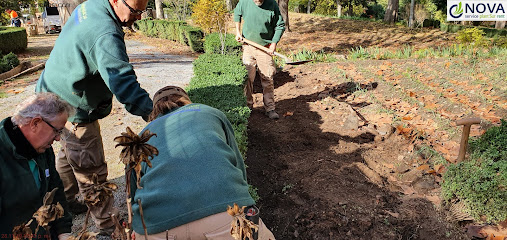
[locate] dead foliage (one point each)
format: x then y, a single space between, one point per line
136 150
241 228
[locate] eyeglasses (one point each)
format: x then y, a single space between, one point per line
134 12
56 130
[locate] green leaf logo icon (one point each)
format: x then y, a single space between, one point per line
459 10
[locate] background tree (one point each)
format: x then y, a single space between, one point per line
159 9
411 16
391 11
211 16
500 24
284 10
178 9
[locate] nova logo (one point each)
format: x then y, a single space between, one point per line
458 11
476 10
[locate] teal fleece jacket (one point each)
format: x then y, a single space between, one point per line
89 64
19 195
262 24
199 170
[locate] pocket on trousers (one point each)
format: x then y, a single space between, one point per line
221 233
85 155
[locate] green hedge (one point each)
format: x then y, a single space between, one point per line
172 30
489 32
12 39
193 37
218 82
213 45
481 180
8 62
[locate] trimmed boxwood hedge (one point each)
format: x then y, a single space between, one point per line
12 39
218 82
172 30
212 44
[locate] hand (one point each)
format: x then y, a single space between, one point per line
64 236
239 38
272 48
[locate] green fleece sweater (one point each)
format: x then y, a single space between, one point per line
199 170
89 64
19 195
262 24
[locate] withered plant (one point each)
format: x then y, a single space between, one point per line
48 212
95 194
135 151
84 236
241 228
22 231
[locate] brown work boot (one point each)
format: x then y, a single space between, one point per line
272 114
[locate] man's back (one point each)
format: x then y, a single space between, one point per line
89 64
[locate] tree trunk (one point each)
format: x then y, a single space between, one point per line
284 10
500 24
159 10
338 8
309 7
391 11
411 17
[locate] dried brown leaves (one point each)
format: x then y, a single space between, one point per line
136 150
241 228
48 212
22 231
96 193
85 236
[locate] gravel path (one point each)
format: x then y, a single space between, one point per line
154 70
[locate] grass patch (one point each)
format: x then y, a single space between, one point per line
481 181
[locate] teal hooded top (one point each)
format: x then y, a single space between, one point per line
198 172
89 64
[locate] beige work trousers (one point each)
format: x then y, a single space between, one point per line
82 154
254 58
214 227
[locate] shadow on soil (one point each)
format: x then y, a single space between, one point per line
311 186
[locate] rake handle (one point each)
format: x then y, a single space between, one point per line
265 49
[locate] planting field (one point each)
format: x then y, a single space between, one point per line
363 141
362 145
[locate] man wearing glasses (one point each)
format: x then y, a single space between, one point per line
28 165
87 66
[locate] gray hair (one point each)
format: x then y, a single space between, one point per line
45 105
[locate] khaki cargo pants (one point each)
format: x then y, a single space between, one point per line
82 154
254 58
214 227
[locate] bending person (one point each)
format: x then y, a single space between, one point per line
28 165
198 172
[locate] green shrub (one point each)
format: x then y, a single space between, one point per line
481 181
212 44
173 30
8 62
376 11
193 37
473 36
218 82
500 41
13 39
